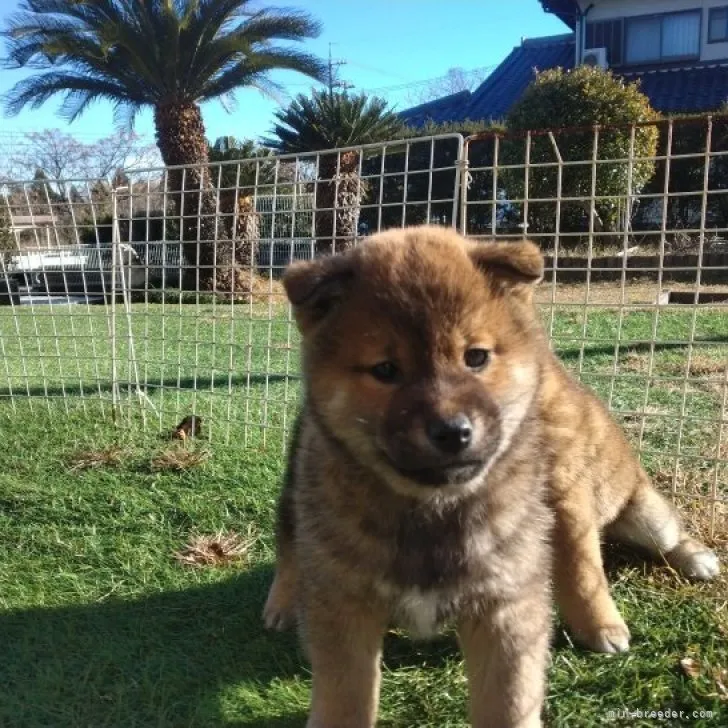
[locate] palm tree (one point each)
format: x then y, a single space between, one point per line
170 55
329 120
237 183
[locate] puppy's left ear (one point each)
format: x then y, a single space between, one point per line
519 264
315 287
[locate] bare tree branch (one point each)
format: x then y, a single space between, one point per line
454 81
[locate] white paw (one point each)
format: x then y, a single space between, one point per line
701 565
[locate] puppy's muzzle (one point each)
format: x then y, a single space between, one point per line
450 435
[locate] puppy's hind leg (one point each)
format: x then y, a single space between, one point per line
649 521
582 591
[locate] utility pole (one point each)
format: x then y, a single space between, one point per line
333 82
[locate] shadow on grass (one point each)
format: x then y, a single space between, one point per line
202 384
157 661
569 353
163 660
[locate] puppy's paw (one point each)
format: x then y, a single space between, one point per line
608 638
278 620
694 561
279 612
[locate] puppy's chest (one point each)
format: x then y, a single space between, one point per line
436 566
421 613
433 551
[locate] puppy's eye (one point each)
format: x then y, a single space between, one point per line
385 372
476 358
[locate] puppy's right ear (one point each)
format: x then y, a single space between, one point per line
315 287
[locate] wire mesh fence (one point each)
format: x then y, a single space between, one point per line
161 297
634 225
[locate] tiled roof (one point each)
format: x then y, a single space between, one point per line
448 108
504 86
495 96
695 88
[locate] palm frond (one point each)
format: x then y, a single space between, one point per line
265 25
77 90
325 121
152 52
254 70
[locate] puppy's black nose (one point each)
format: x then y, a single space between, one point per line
451 434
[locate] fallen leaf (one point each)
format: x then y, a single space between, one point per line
690 667
720 675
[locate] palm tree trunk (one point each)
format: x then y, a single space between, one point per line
338 193
240 228
181 139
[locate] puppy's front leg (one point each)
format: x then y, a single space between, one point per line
344 645
506 655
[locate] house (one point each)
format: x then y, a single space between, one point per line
677 49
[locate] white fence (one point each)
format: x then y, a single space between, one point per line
148 304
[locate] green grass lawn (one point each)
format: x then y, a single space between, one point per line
101 626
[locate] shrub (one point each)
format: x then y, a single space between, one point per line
566 102
687 172
430 176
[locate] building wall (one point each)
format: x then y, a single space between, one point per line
612 9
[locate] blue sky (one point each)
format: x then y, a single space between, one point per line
386 43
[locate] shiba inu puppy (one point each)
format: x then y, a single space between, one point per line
443 466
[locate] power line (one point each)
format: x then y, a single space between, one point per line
380 71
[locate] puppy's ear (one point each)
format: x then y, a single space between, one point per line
518 264
315 287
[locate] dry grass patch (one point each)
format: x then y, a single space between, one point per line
718 450
237 283
89 459
703 365
634 362
178 459
220 549
267 290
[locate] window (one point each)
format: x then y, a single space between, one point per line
663 37
606 34
718 25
